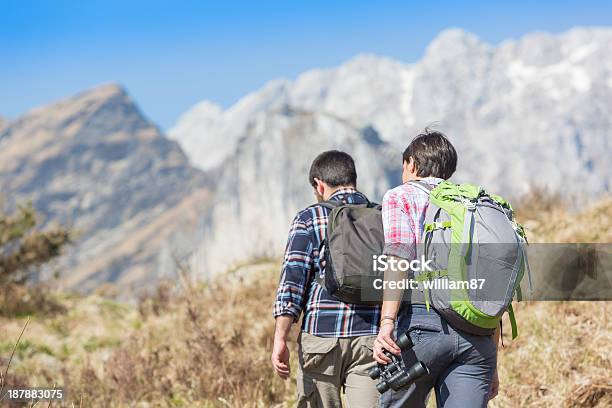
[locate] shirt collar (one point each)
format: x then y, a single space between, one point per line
432 180
342 191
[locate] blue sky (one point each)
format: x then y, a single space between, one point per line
172 54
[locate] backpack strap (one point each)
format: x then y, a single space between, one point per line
428 276
423 186
323 248
526 261
330 204
320 277
512 321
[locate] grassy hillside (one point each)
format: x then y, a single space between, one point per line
207 345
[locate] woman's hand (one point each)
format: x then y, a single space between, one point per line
384 341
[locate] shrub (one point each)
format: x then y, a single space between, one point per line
23 250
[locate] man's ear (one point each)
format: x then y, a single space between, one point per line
320 188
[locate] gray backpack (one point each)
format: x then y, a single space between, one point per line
354 237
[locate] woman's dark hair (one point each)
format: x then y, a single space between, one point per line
335 168
433 155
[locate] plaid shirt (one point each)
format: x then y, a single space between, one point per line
298 291
403 212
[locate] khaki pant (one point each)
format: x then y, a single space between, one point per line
328 365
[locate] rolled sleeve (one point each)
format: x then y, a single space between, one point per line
296 270
399 231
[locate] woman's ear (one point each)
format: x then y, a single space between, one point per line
408 170
411 166
405 172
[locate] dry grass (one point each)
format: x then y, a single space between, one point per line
208 345
549 218
202 345
562 346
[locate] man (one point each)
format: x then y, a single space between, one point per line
462 366
335 343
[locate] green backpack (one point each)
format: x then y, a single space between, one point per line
478 256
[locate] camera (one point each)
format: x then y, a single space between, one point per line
395 375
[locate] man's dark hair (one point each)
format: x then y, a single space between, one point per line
335 168
433 155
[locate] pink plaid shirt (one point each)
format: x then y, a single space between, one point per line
403 214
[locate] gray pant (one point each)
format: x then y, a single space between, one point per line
461 365
330 365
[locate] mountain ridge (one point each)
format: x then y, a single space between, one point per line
225 186
95 162
265 182
479 93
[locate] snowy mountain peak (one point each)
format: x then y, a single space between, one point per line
523 101
367 61
455 41
533 111
204 113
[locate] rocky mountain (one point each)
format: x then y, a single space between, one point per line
522 113
94 162
265 181
532 111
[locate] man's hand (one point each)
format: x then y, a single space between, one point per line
384 341
280 358
280 351
494 386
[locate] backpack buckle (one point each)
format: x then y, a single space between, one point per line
470 205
